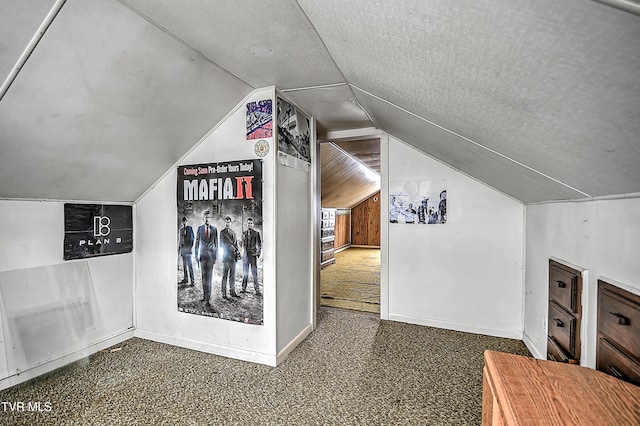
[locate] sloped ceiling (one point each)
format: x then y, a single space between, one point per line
367 151
539 99
346 179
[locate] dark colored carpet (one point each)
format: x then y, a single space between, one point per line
353 370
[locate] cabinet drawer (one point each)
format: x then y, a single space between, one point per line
326 255
327 232
563 288
562 327
619 320
327 245
611 361
555 352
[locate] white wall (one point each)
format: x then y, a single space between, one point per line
157 317
55 311
602 237
294 248
466 274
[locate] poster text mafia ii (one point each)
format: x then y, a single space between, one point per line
239 187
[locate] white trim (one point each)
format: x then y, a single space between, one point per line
630 6
470 141
323 86
215 349
365 133
623 286
582 200
570 265
384 226
175 165
282 355
134 272
26 53
532 348
184 43
41 200
508 334
64 360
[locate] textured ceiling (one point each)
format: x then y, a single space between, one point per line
100 110
540 100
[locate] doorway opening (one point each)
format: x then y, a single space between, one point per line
350 224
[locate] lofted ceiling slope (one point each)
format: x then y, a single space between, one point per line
346 179
540 100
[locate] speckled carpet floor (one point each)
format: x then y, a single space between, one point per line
353 282
353 370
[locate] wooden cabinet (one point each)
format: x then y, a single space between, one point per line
618 350
565 313
327 237
519 390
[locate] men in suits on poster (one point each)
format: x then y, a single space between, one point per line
223 194
251 247
186 239
206 253
230 251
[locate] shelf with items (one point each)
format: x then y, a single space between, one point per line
327 237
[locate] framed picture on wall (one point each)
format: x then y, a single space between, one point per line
219 240
260 119
294 136
92 230
418 202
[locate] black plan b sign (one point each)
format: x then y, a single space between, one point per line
97 230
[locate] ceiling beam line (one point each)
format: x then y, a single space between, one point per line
200 55
631 6
31 47
471 141
322 86
312 25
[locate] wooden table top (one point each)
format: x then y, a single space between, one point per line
532 391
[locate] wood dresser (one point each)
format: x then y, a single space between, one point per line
565 313
618 350
518 390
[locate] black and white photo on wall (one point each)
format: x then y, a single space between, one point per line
418 202
294 134
92 230
220 239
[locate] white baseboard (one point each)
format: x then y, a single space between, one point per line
215 349
52 365
508 334
534 351
292 345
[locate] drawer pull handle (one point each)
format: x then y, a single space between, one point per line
622 320
559 323
561 284
615 372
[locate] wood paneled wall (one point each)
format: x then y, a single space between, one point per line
343 228
365 222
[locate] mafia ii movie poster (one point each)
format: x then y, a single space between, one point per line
219 240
